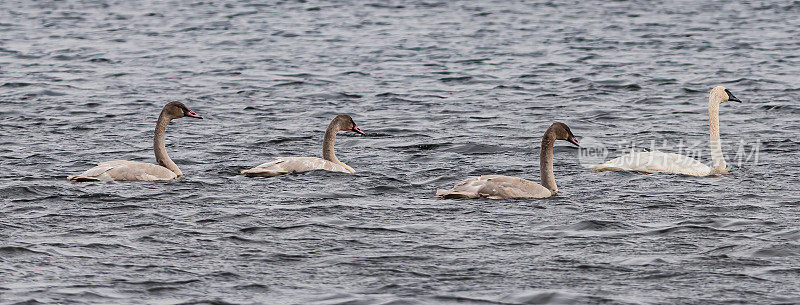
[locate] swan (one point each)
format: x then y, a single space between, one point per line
122 170
328 162
661 162
499 187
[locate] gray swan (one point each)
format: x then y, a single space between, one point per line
328 162
122 170
500 187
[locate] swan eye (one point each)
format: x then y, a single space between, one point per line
728 92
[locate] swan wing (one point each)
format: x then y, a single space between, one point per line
496 187
655 162
286 165
122 170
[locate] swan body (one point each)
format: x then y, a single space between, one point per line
656 162
287 165
122 170
328 162
500 187
661 162
496 187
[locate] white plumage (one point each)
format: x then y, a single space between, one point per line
661 162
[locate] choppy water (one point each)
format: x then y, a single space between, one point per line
445 90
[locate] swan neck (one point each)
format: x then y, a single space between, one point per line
327 143
715 144
158 145
546 162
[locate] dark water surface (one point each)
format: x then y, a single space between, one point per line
445 90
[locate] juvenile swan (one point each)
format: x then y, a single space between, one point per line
499 187
122 170
660 162
329 162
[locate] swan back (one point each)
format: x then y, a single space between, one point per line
286 165
655 162
496 187
122 170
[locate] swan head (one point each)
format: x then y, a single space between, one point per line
177 110
563 133
722 95
345 122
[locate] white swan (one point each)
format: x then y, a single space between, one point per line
123 170
328 162
661 162
499 187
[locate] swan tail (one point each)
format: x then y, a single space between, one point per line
82 178
451 194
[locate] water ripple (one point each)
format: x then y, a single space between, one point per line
445 90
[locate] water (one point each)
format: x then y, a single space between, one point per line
445 90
